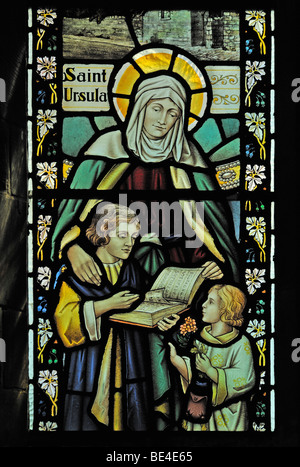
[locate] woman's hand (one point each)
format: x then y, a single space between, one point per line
167 323
83 265
212 271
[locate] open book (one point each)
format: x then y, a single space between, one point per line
172 292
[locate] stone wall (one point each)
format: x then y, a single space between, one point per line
231 30
223 31
13 218
216 29
173 27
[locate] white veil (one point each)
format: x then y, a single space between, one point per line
174 144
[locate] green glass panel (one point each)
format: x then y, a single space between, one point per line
76 132
231 126
208 136
227 151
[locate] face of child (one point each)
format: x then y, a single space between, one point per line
160 116
122 240
211 309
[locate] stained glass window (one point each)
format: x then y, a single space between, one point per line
151 276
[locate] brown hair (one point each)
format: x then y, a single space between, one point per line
108 220
233 304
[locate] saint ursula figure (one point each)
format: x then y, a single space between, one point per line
151 151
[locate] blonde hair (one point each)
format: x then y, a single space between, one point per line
233 302
108 220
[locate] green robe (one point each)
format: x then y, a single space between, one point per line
218 217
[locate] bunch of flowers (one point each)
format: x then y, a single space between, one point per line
186 330
189 326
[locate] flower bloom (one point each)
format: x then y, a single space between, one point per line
254 72
256 227
254 279
256 124
46 67
46 120
44 276
46 16
188 326
254 176
256 328
47 173
44 331
48 426
48 382
256 19
44 226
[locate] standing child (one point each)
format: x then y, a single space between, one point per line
224 359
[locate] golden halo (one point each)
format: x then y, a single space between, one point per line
159 59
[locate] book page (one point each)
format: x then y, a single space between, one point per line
177 282
158 296
152 307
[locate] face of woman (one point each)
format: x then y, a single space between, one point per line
160 116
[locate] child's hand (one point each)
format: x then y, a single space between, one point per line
167 323
202 363
178 362
119 301
122 300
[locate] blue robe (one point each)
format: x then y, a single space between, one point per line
145 379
